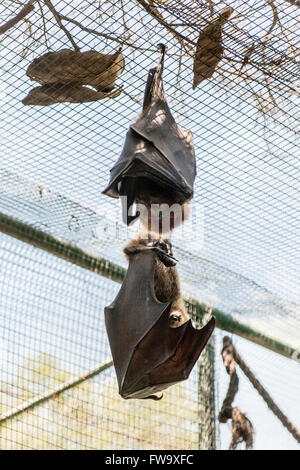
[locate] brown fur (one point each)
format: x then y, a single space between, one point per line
166 284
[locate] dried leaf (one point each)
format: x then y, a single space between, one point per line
209 49
47 95
64 73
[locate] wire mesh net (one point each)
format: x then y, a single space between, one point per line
53 332
238 252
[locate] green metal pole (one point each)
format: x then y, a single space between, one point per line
206 398
206 391
54 393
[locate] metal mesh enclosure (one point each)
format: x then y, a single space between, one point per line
53 332
238 251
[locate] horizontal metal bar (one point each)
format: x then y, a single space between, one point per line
54 393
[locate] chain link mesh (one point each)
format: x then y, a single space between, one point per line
238 252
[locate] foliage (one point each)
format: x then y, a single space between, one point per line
260 40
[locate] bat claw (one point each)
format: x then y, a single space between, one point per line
164 252
154 397
162 47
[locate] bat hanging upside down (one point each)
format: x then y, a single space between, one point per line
157 168
166 279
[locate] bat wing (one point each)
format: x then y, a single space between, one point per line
148 355
133 313
164 357
155 147
157 125
140 158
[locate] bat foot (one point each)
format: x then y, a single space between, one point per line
164 245
161 248
164 252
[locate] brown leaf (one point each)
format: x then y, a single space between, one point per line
47 95
85 68
209 49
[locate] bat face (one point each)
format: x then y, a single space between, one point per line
148 354
155 150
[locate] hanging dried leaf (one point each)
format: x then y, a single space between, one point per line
209 50
60 93
60 72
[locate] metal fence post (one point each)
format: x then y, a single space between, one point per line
206 398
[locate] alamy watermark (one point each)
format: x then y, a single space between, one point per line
187 222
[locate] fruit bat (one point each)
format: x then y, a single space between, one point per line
148 354
157 160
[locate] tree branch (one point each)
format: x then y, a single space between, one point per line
54 393
152 10
29 7
266 397
57 17
103 35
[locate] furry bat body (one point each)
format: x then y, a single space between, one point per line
166 283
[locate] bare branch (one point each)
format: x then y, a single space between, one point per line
29 7
152 10
273 25
211 7
57 17
294 2
118 40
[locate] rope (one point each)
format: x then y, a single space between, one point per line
241 427
267 398
231 356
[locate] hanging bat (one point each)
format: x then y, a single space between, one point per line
157 163
148 354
